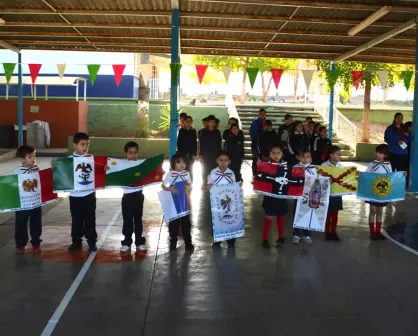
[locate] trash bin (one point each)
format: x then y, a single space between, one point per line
7 136
35 135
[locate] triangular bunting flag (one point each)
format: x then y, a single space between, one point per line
357 77
407 77
227 71
276 74
307 77
200 69
332 77
8 70
383 78
93 70
175 71
146 71
252 75
61 69
118 69
34 71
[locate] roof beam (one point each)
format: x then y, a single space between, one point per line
393 32
10 46
369 20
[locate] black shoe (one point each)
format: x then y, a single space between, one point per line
328 236
189 247
231 244
216 245
93 247
373 237
173 246
75 248
381 237
279 242
336 238
266 244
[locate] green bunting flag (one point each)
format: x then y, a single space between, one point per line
8 70
175 71
93 70
407 77
252 75
332 77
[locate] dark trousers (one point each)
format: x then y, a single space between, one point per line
235 166
189 165
173 228
132 208
399 163
83 213
35 226
254 164
208 163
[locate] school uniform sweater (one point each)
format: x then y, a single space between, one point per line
234 145
210 142
298 141
266 140
187 142
321 149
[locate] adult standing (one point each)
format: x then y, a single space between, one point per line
256 127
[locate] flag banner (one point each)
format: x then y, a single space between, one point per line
141 173
226 71
83 173
312 209
145 71
61 69
175 71
34 71
26 191
332 77
278 181
343 179
93 70
8 70
357 78
201 69
381 188
383 78
276 74
227 207
407 77
307 77
118 70
252 75
174 205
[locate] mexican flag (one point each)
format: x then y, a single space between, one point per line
26 191
126 173
83 173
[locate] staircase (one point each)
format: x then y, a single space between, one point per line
248 113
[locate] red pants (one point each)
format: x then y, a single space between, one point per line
332 221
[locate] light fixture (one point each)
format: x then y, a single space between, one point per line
367 22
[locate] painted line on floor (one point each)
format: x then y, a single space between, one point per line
399 244
53 321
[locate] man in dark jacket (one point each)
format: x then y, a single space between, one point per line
266 139
187 143
210 146
234 146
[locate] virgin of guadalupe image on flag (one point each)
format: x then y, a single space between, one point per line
175 205
277 180
343 179
381 188
227 209
311 210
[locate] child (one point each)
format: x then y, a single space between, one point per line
187 143
298 139
315 135
132 208
383 166
217 123
335 202
182 120
205 123
234 146
274 206
222 175
82 204
178 174
27 155
210 146
321 146
305 157
266 139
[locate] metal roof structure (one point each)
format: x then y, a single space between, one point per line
269 28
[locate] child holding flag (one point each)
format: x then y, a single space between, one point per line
27 155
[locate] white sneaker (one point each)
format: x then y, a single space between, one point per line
141 248
296 239
125 248
307 240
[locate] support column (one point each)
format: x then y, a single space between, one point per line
414 145
20 101
331 107
175 80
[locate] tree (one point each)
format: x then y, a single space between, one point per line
211 76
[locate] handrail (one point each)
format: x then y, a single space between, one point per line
232 109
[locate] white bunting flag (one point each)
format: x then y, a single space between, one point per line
227 71
61 69
146 71
307 76
383 78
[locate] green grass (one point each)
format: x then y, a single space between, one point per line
376 116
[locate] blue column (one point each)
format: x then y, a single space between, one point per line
414 149
20 101
331 107
175 83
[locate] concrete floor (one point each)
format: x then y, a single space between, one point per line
355 287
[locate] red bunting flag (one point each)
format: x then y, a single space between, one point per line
118 69
357 77
201 69
34 71
277 75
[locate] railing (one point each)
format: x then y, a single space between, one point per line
232 109
341 126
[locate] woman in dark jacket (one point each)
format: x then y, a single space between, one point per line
298 139
397 139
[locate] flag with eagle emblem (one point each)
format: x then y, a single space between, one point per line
381 188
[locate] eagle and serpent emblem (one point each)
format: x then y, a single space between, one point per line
85 173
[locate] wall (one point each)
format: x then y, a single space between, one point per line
365 152
64 117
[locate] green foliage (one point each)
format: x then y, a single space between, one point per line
165 118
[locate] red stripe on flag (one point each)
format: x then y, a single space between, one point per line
155 177
262 186
47 188
99 173
295 190
268 168
298 172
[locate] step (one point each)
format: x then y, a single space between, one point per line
343 158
